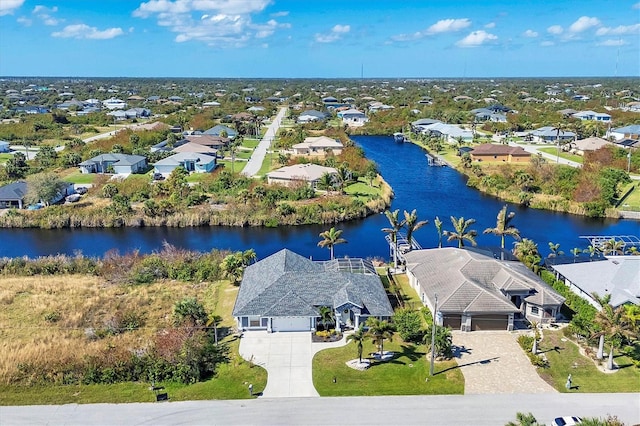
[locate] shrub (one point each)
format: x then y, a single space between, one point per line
408 325
52 316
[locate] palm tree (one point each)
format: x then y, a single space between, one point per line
248 257
503 227
379 331
438 223
602 301
536 337
413 224
613 246
331 238
524 420
555 250
326 182
443 341
592 250
326 315
396 226
358 336
461 231
575 252
559 128
615 326
213 321
527 252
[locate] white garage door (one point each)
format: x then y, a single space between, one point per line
291 324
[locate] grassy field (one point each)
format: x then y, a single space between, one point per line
632 201
80 178
5 157
362 190
565 155
406 374
82 302
565 358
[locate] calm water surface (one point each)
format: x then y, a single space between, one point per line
432 191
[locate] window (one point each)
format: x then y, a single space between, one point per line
535 310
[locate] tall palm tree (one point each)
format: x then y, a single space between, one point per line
326 315
461 231
358 336
379 331
249 256
413 224
602 301
442 343
503 227
438 223
527 252
213 321
555 250
613 247
331 238
559 128
615 326
396 226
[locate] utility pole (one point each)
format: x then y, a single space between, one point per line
628 161
433 336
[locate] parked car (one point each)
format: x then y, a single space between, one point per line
73 198
35 207
81 190
158 176
566 421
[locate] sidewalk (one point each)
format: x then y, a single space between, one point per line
255 162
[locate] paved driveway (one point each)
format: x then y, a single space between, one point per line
493 362
287 357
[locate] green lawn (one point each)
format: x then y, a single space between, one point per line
80 178
632 201
362 190
5 157
269 163
564 359
250 142
565 155
243 154
404 375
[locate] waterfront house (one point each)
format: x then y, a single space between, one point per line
12 195
285 291
353 117
311 115
504 153
195 148
477 292
318 146
192 162
114 163
294 175
618 276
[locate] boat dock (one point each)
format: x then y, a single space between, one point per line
432 160
403 246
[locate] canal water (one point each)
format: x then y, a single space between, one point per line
432 191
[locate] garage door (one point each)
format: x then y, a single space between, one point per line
291 324
489 322
453 321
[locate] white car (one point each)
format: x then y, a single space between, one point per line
566 421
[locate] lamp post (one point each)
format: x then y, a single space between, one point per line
433 336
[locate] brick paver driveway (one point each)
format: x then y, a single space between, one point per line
493 362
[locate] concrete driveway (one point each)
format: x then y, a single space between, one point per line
287 357
493 362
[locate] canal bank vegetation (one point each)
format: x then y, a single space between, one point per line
595 190
85 330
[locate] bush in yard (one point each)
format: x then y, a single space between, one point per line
526 343
408 325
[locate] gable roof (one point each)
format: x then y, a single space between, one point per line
195 147
287 284
14 191
181 157
591 144
319 142
117 159
216 130
471 282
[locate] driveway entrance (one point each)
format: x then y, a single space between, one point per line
493 362
287 357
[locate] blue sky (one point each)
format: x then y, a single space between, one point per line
322 38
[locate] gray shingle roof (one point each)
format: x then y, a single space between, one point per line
118 159
13 192
287 284
471 282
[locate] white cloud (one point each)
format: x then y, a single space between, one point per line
220 23
8 6
620 30
335 34
83 31
280 14
490 25
530 34
584 23
477 38
442 26
636 6
24 21
613 43
448 25
555 29
45 14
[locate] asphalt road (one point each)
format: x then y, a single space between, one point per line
475 410
255 162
